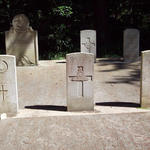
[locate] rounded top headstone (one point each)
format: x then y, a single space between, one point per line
130 30
145 51
86 30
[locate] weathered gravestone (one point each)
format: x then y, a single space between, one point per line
8 85
21 41
145 79
88 42
80 67
131 44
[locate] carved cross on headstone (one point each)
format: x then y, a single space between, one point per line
2 90
88 44
81 77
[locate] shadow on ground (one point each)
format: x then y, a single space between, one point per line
130 79
133 69
119 104
47 107
61 62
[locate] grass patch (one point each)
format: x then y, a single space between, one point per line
111 56
55 56
147 108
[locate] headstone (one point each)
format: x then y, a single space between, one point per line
80 68
8 85
145 79
131 44
21 41
88 42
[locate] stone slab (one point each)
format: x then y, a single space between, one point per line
145 79
131 44
79 132
88 41
22 42
79 76
8 85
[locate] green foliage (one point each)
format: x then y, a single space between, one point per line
65 11
59 22
129 13
61 30
111 56
57 56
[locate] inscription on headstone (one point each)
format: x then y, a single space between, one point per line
88 41
89 44
8 85
81 78
3 66
80 81
3 92
21 41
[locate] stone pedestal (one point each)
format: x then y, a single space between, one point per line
8 85
88 42
79 71
145 79
131 44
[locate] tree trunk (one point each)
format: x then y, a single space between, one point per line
101 23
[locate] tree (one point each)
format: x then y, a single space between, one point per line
59 23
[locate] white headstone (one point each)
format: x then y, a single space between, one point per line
88 42
131 44
21 41
145 79
80 68
8 85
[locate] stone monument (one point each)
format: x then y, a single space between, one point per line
21 41
80 68
8 85
145 79
131 44
88 42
